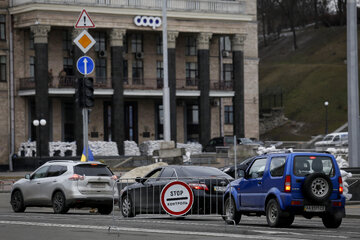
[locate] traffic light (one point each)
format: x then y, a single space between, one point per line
85 92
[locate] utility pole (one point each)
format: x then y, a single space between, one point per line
166 90
353 85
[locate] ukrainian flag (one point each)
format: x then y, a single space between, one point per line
90 156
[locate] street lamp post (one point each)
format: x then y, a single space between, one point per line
36 123
326 104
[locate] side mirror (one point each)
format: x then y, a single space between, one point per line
241 173
138 179
27 176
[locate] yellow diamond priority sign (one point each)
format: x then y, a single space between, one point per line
84 41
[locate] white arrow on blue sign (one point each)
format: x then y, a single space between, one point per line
85 65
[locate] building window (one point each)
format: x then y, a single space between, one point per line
3 68
193 114
68 122
100 68
125 44
138 72
229 115
67 41
125 71
68 66
159 45
2 27
32 66
100 38
225 43
228 72
191 73
137 43
190 46
159 70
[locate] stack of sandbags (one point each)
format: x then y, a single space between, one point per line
102 148
147 148
60 148
192 148
28 149
140 172
131 148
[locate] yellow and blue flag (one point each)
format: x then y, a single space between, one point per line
90 156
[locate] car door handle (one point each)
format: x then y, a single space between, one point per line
259 182
38 183
54 181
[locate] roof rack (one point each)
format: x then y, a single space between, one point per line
51 161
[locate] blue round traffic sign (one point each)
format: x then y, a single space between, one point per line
85 65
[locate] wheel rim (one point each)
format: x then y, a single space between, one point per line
126 206
273 213
319 187
16 201
229 210
58 202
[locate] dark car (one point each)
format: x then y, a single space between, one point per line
230 170
207 184
283 185
228 141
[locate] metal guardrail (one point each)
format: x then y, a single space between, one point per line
143 198
233 7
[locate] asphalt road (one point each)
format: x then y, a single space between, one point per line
41 223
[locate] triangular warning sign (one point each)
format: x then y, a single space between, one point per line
84 21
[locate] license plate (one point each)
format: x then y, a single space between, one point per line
219 188
97 185
314 208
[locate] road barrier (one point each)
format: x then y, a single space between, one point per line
173 196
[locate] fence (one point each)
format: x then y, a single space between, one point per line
175 196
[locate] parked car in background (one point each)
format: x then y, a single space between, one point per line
230 170
332 140
143 197
282 185
64 184
227 141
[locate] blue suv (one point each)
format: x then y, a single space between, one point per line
282 185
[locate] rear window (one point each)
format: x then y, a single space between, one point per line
203 172
305 165
92 170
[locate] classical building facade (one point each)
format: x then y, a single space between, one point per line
212 62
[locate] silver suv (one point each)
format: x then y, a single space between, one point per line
65 184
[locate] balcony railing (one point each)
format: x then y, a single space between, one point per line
129 83
214 6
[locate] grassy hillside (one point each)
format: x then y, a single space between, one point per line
315 72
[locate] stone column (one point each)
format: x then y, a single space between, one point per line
77 53
41 88
238 73
117 79
204 87
172 81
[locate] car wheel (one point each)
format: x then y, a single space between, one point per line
317 187
17 201
105 210
59 203
232 216
273 212
126 206
331 221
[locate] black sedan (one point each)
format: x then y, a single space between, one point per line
230 170
143 197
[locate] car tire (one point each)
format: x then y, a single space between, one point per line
331 221
317 187
105 210
17 201
59 203
126 207
273 215
231 215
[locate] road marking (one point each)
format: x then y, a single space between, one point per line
126 229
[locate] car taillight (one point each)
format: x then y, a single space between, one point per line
341 186
287 183
198 186
76 177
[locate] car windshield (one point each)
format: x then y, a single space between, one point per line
305 165
328 138
203 172
92 170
